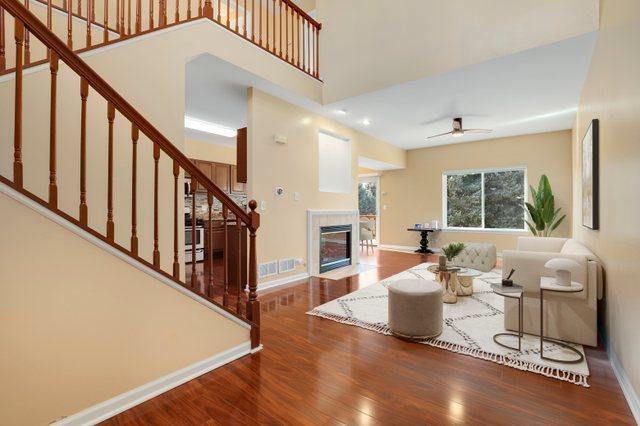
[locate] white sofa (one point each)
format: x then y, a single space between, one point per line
569 317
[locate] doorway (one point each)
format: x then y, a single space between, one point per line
369 204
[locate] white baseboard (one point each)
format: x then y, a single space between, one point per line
411 249
625 384
22 199
127 400
282 281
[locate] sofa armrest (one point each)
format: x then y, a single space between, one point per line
529 267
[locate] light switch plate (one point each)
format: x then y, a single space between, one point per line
263 205
296 196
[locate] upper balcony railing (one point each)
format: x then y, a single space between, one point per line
278 26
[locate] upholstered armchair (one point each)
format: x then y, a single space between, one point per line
570 317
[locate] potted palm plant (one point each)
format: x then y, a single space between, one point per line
450 251
544 217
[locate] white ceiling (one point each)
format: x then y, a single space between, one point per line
533 91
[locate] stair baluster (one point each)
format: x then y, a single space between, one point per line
53 188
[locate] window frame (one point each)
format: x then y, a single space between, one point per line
445 225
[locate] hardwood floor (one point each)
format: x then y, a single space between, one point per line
316 371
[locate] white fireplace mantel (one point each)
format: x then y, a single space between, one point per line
318 218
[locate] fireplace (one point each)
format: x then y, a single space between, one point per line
335 247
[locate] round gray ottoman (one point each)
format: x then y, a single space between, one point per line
415 308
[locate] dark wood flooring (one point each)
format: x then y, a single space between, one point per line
316 371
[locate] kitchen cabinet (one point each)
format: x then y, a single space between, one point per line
225 176
236 246
222 176
237 187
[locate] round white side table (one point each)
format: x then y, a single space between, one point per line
549 284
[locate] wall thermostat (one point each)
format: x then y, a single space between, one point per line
279 191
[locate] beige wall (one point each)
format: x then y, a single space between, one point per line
372 44
414 195
294 166
612 94
79 326
208 151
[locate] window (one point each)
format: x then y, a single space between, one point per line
334 164
485 199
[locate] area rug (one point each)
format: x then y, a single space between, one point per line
468 328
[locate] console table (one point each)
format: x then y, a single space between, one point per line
424 241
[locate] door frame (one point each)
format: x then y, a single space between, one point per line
375 178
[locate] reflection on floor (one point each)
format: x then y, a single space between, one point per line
315 371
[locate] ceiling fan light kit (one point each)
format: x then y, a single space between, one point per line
459 131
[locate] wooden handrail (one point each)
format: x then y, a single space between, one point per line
73 61
302 13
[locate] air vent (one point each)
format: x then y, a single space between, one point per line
267 269
286 265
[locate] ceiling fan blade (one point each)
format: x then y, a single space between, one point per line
477 130
441 134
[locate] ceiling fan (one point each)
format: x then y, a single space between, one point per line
459 131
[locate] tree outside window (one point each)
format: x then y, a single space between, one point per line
491 199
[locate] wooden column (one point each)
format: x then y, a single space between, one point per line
209 254
70 24
194 278
84 93
17 118
156 251
208 9
53 188
3 59
110 224
134 188
253 305
176 265
225 254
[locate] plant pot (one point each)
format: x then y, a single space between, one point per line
442 262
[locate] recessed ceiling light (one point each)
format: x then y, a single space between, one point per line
209 127
366 121
341 111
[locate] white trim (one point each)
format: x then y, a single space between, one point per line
411 249
482 172
267 285
627 388
486 230
5 189
129 399
368 175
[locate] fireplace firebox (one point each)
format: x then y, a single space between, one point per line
335 247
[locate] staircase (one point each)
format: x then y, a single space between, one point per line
279 27
145 158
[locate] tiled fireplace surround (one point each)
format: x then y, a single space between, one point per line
318 218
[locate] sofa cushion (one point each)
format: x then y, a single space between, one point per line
541 244
574 247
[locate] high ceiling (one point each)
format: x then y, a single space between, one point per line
372 44
533 91
528 92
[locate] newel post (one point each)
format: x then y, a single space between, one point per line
207 11
253 305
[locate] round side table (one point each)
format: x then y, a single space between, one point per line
448 278
512 292
549 284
